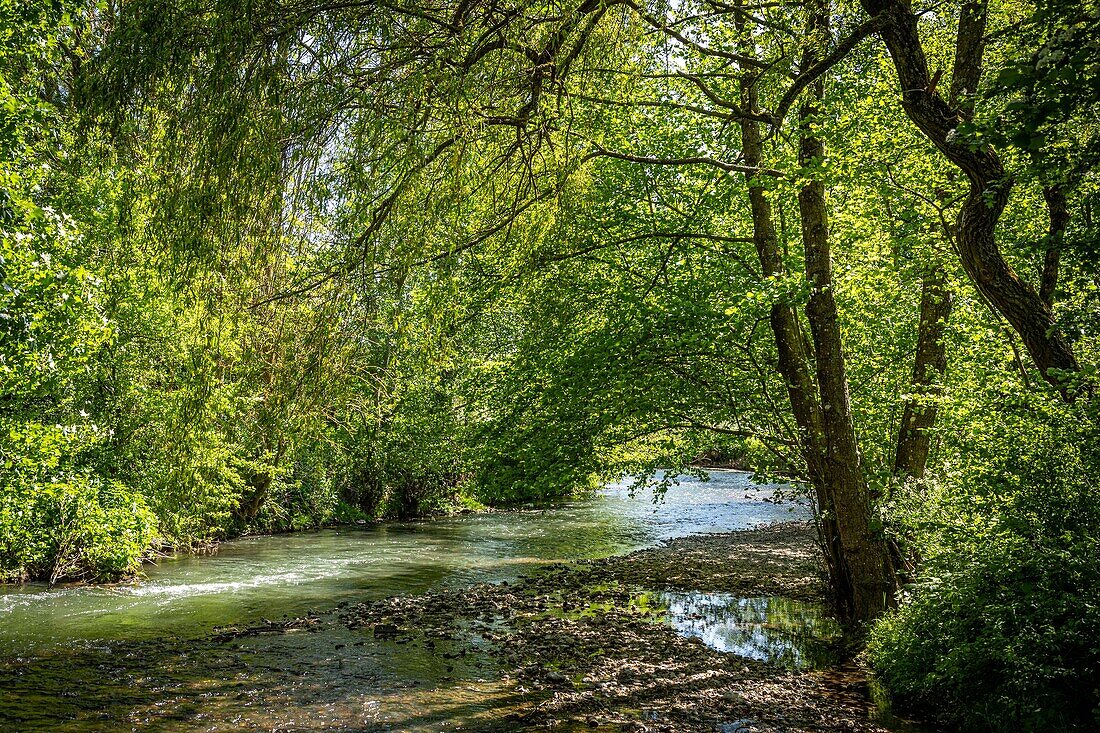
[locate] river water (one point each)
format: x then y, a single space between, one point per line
147 655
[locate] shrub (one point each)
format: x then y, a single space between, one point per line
75 528
1009 639
1001 630
60 521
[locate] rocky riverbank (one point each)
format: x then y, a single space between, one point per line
592 645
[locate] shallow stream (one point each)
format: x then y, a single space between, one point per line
148 655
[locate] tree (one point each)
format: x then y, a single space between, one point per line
990 185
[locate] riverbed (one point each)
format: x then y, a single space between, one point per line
269 633
265 577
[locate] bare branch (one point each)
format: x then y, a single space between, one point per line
690 160
808 76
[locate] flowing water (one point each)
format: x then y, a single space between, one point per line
147 655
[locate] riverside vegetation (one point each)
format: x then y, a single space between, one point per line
278 264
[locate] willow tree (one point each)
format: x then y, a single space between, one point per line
494 106
425 131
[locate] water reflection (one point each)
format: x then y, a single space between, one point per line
141 655
329 677
771 629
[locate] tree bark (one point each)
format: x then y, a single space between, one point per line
981 257
866 558
793 354
930 362
1058 211
969 53
929 365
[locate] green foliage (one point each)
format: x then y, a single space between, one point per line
1001 628
267 268
1051 91
60 521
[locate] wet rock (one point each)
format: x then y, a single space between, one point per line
385 630
582 621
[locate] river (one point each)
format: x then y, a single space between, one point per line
149 655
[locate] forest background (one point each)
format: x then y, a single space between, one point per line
274 265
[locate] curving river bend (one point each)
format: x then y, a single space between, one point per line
146 655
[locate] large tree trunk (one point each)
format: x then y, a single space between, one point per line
929 365
858 561
866 558
930 362
1020 304
793 356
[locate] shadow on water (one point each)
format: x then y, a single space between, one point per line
265 577
327 677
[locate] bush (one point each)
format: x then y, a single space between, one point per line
60 521
1001 630
77 528
1008 640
